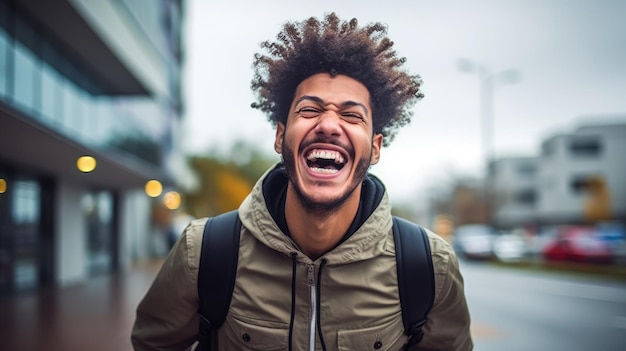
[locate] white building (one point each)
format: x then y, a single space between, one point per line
550 188
569 160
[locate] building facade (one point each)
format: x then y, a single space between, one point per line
84 78
582 176
513 191
579 178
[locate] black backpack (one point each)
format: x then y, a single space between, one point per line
218 267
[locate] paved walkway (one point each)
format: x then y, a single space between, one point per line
96 315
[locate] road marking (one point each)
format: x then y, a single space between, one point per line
484 331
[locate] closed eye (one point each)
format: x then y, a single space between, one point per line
309 112
352 117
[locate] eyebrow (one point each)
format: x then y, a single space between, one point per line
344 104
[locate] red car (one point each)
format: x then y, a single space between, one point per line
578 244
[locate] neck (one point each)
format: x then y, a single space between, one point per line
317 232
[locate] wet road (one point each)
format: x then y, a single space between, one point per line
511 310
96 315
518 310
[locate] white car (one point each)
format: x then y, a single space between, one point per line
473 241
510 246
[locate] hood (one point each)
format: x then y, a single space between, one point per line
262 215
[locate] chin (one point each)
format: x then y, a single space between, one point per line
322 200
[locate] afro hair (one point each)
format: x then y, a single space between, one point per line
333 46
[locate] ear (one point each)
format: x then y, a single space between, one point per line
377 143
280 134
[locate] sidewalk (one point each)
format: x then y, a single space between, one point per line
96 315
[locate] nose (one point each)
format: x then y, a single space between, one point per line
329 124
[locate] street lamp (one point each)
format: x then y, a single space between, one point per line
488 81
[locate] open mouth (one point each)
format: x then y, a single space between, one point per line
325 161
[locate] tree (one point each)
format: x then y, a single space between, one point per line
225 180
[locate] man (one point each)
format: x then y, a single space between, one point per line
316 267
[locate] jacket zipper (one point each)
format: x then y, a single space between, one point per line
312 293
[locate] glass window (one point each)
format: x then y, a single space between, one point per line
102 121
526 169
526 197
89 118
71 115
51 106
4 64
26 219
81 119
586 183
24 78
585 146
98 207
26 205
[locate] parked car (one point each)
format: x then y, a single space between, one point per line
613 233
578 244
473 241
510 246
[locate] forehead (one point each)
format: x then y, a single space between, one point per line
334 89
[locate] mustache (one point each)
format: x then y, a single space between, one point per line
320 139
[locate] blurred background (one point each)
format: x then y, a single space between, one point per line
122 120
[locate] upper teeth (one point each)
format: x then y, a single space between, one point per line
327 155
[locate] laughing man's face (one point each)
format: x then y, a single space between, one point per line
328 142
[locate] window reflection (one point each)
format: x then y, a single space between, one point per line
4 68
26 221
98 209
24 74
51 105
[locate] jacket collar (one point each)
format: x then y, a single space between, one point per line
263 214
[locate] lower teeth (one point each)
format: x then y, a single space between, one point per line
324 170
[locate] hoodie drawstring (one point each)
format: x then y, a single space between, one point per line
293 296
319 322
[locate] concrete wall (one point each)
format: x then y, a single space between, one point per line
134 227
70 228
116 27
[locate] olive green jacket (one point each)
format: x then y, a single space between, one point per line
351 292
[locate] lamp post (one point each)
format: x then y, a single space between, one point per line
488 81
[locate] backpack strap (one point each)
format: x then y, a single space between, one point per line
416 279
216 274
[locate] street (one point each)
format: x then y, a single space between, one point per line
511 310
517 310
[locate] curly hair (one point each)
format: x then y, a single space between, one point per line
305 48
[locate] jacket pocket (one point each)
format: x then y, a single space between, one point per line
256 335
385 337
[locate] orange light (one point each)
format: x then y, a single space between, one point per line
172 200
3 186
86 164
153 188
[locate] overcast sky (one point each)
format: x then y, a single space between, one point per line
570 56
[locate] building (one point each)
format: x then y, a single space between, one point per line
84 78
513 191
579 178
582 177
